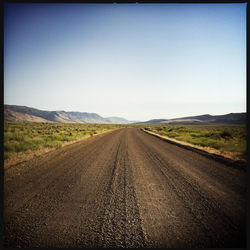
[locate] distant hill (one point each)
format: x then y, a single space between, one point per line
116 120
23 113
228 119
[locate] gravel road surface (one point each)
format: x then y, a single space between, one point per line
124 188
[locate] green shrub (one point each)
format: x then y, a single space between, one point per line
225 134
23 136
225 138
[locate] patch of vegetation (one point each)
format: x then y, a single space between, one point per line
223 138
32 136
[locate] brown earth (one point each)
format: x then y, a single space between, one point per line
124 188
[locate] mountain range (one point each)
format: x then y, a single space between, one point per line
228 119
23 113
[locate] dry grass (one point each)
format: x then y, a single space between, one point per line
227 154
25 140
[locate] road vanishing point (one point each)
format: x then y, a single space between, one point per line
124 188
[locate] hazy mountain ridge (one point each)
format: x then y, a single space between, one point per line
23 113
227 119
115 119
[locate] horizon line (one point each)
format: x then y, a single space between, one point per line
126 118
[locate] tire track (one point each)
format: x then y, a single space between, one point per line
203 212
42 171
121 224
44 200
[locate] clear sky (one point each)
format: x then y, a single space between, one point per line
137 61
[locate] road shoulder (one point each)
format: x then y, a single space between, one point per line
29 155
205 151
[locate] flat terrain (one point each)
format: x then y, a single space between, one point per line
229 141
23 140
124 188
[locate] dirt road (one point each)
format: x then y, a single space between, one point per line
125 188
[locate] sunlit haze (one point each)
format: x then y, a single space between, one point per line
137 61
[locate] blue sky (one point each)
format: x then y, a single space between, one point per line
137 61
